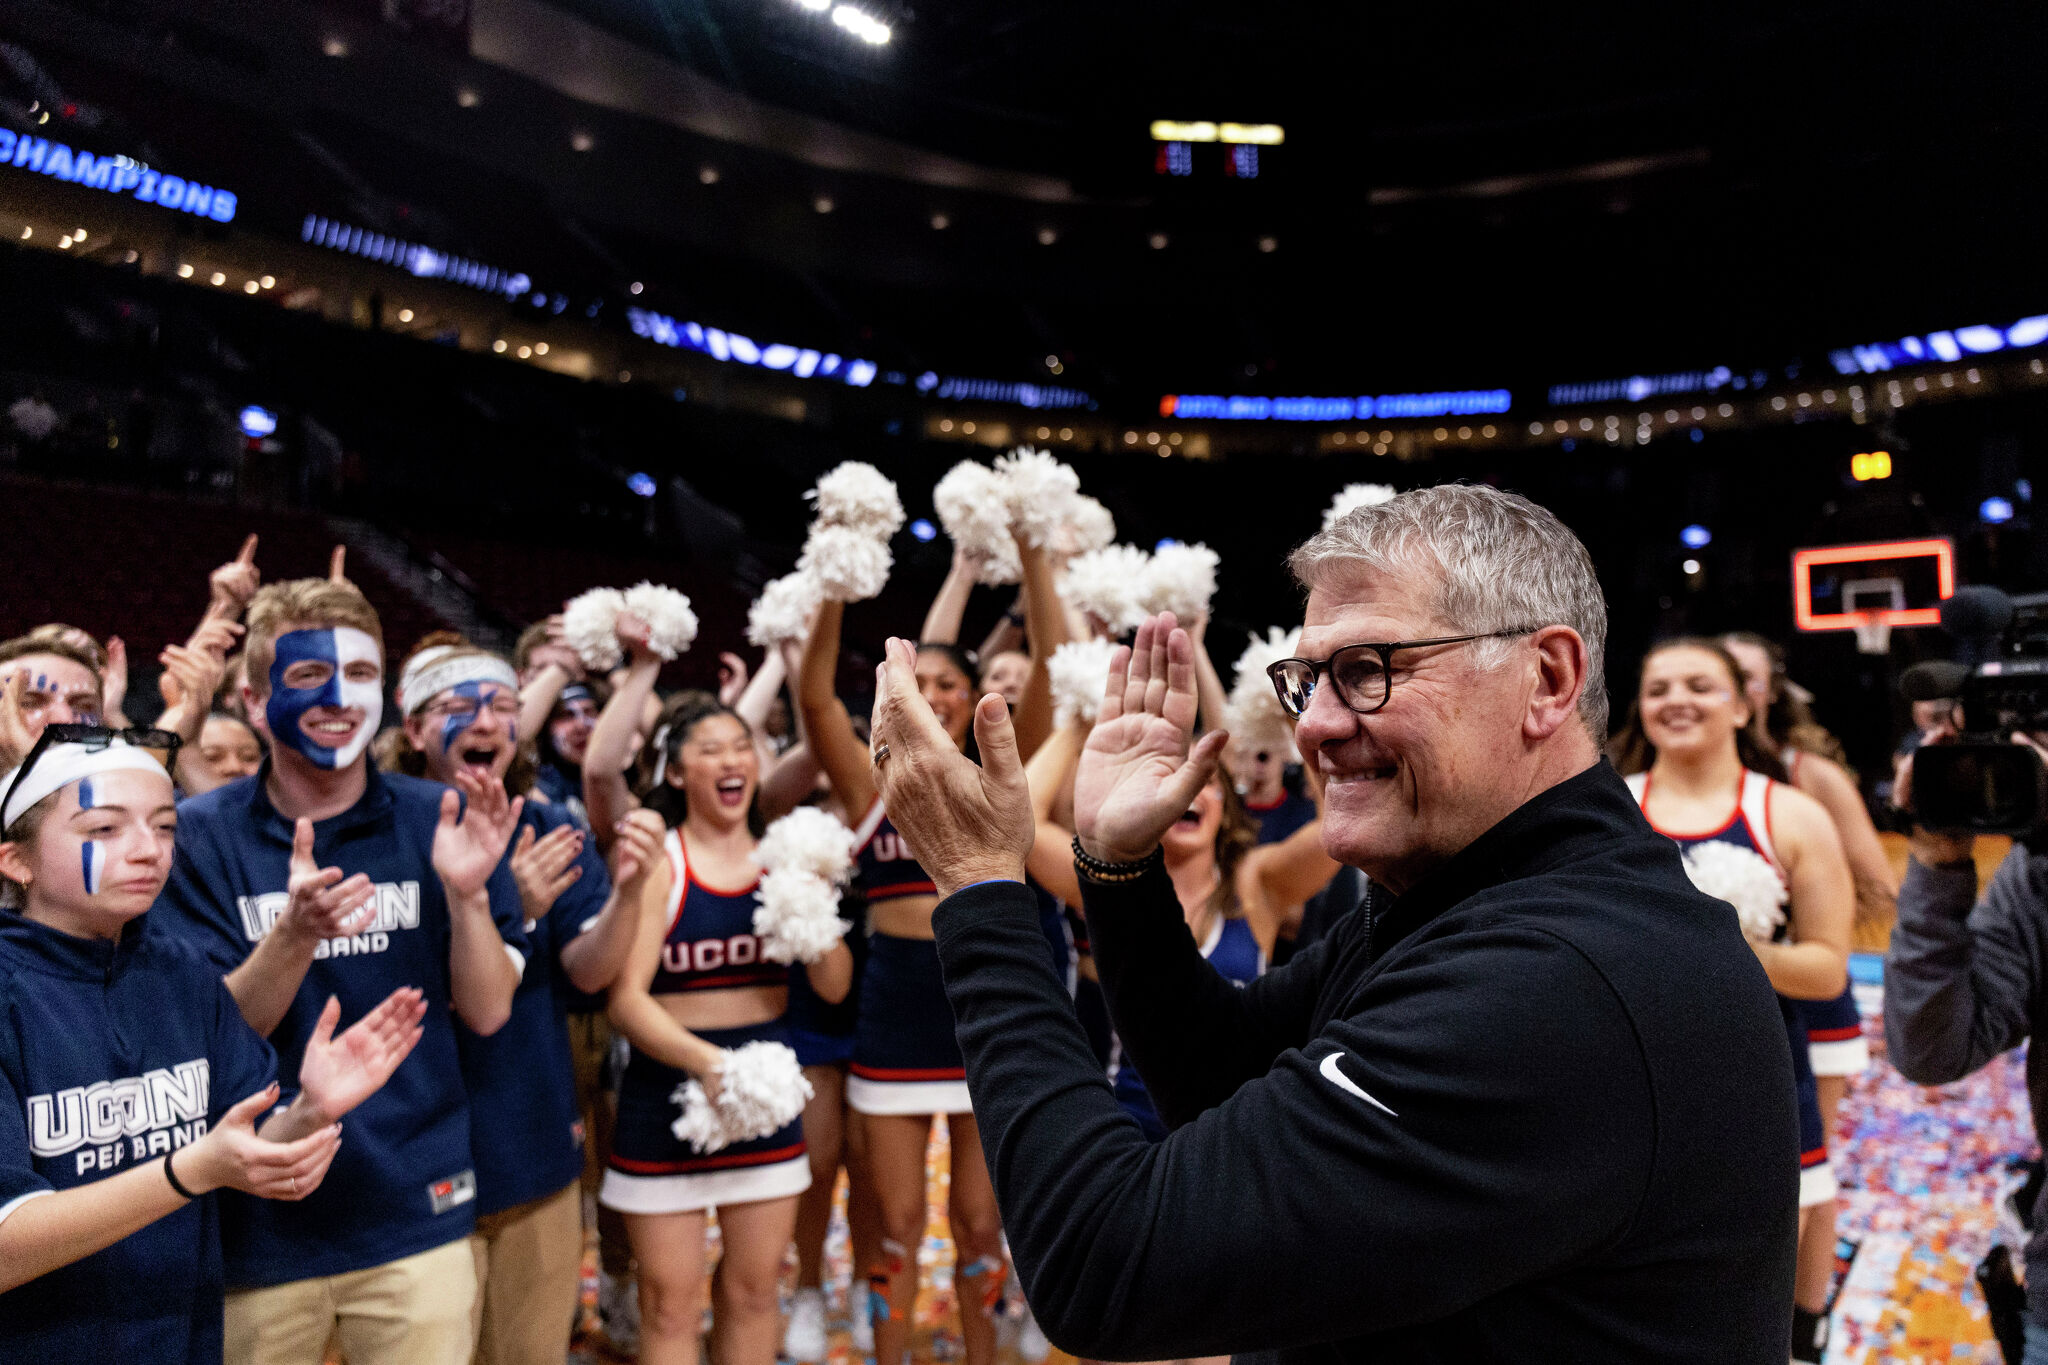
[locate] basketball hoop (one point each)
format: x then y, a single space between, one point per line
1873 633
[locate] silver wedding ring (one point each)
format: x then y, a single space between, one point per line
295 1186
881 752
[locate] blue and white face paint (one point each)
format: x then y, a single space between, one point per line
287 709
92 854
481 696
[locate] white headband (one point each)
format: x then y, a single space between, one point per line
433 671
62 764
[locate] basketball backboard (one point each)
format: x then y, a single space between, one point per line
1890 583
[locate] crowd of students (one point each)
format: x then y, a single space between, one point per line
325 1000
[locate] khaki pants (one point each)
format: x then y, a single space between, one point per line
590 1037
412 1311
529 1274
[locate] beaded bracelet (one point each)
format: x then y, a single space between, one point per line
1114 874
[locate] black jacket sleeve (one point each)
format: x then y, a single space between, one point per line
1194 1037
1343 1192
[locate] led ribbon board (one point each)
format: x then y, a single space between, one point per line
1927 568
115 175
422 261
1002 391
802 362
1390 406
1940 347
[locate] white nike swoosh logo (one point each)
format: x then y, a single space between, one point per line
1335 1075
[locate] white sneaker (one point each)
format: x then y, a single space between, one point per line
1031 1342
803 1337
618 1312
863 1327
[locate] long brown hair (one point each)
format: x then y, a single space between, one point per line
1631 750
1236 836
1787 719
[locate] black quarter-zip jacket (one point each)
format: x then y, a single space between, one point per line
1539 1108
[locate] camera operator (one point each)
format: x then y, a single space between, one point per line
1963 977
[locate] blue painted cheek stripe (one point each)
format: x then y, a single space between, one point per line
91 857
452 728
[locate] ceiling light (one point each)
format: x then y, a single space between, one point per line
1158 241
184 272
1046 236
405 315
582 141
268 281
29 232
940 222
707 175
217 279
335 47
823 203
865 27
467 98
78 234
250 286
1066 433
499 345
525 352
1269 244
816 6
132 256
540 348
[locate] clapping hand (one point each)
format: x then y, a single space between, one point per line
968 824
469 844
114 678
1138 774
545 868
337 1074
234 1156
323 904
637 849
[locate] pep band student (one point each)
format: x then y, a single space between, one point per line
1511 1109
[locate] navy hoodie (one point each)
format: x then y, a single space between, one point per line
403 1182
110 1056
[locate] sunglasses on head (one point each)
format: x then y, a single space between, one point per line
92 738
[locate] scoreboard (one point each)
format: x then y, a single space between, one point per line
1208 151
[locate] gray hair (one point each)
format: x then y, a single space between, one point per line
1501 562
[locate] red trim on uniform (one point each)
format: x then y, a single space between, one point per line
710 1163
773 975
883 893
1834 1035
1816 1157
1711 834
1275 804
884 1073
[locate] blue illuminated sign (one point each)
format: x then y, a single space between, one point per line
1637 387
1995 510
411 257
1937 347
802 362
1002 391
257 422
1242 408
115 175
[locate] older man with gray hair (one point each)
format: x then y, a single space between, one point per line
1531 1102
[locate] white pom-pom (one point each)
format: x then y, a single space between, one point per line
1087 526
761 1087
782 613
972 509
1260 653
1106 583
808 840
1180 579
860 496
847 565
671 625
1354 496
1039 490
1079 670
1745 880
798 917
590 627
1252 712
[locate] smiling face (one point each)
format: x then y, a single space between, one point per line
948 691
326 694
101 854
229 748
571 723
1442 762
716 769
1690 703
1006 674
470 728
54 691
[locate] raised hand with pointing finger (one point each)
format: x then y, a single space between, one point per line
323 903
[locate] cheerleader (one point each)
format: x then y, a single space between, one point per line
109 1229
1701 777
906 1064
696 986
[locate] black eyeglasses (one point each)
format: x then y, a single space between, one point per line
1363 672
92 738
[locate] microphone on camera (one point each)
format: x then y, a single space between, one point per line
1976 617
1934 680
